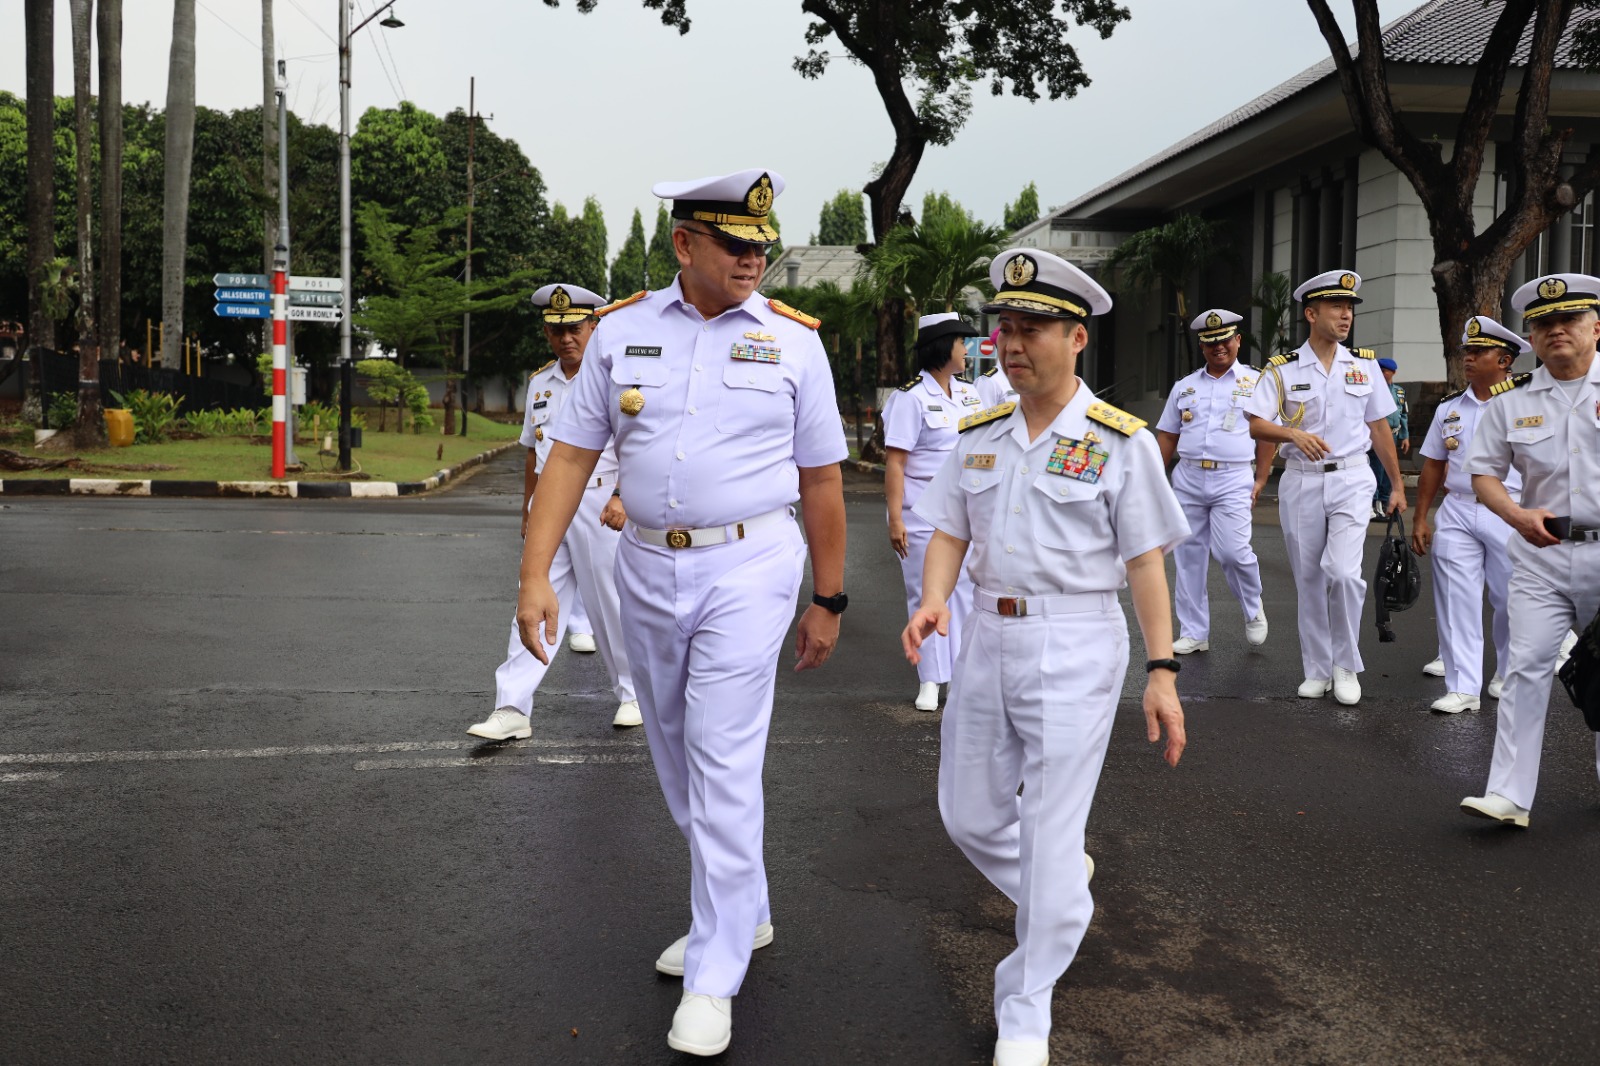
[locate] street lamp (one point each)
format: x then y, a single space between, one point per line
346 365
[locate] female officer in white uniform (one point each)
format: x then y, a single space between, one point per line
919 429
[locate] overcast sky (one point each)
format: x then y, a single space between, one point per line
611 102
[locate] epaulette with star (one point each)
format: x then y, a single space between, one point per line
908 386
1516 381
1116 418
808 321
618 305
1364 353
989 414
1283 357
542 369
992 371
1447 397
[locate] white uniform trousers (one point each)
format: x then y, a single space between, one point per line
584 560
1469 556
1032 704
1325 516
579 620
938 653
1217 505
705 626
1561 593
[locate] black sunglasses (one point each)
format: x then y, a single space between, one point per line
736 248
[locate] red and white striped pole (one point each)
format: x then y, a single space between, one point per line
280 360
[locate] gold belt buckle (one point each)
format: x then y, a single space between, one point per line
1011 607
678 538
1208 464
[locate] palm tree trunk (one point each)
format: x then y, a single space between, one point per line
109 37
90 428
269 154
39 33
179 164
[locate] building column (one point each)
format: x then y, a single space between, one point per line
1327 225
1561 235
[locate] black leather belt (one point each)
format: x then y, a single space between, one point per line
1564 528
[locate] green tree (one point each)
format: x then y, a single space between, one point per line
179 161
661 264
629 270
1025 210
931 262
1170 255
592 266
843 220
1275 298
775 249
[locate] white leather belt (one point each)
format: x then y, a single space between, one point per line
1465 497
704 538
600 481
1323 466
1216 464
1022 606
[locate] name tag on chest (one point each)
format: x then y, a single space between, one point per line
1528 422
978 462
540 404
1304 386
1077 459
641 351
757 353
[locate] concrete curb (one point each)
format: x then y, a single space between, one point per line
306 490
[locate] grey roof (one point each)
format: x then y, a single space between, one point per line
1445 32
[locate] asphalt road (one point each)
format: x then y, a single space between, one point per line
243 823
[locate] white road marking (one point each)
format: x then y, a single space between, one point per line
31 775
499 762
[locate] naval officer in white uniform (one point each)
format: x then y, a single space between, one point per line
1327 405
1547 428
723 409
919 429
1204 426
584 560
1469 546
994 388
1062 500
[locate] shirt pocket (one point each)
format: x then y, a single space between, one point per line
639 372
1354 389
1533 449
940 420
755 400
1069 515
980 489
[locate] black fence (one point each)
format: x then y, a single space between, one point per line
59 373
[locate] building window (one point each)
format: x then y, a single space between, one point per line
1583 235
1077 238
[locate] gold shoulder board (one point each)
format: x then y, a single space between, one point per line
991 414
619 304
992 371
1116 418
1514 382
908 386
1282 358
542 369
808 321
1365 353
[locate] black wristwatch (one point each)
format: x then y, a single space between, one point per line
1163 664
836 604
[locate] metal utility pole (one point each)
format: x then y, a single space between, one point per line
466 317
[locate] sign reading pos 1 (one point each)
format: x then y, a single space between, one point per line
297 281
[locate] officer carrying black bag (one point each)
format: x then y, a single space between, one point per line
1398 580
1580 675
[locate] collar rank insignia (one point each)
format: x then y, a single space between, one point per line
978 462
1077 459
990 414
757 353
1117 419
1528 422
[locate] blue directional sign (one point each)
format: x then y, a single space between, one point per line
242 310
259 296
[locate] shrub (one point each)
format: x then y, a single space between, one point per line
63 411
209 423
153 413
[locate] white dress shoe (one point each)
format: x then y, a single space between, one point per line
702 1025
928 696
1255 630
1346 686
506 723
1313 688
582 642
1455 703
1497 685
1088 860
671 960
1497 808
1434 668
1021 1053
628 714
1188 646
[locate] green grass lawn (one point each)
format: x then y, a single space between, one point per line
385 456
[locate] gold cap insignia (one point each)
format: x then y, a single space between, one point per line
759 199
1347 281
1021 270
1473 328
559 300
1552 289
1213 320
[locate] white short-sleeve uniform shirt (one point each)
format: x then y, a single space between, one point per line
1208 415
1337 404
732 407
547 388
922 420
1456 419
1059 514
